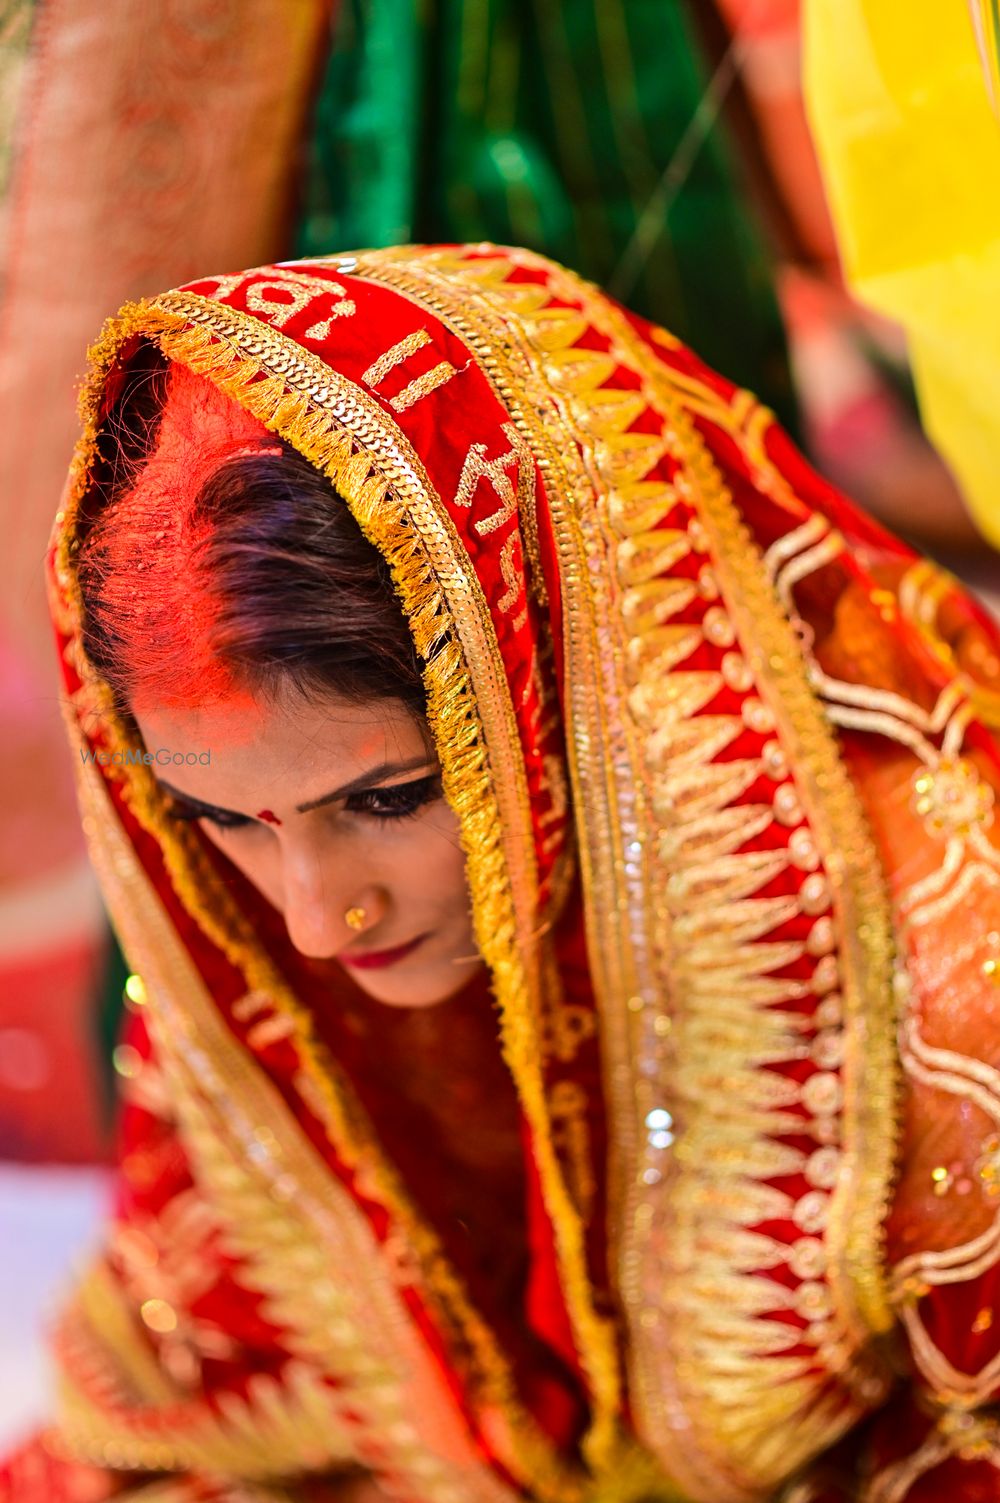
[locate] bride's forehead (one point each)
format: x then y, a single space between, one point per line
366 731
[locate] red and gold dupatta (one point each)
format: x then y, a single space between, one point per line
716 744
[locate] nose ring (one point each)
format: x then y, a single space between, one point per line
355 918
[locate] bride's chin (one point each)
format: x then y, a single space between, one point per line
420 996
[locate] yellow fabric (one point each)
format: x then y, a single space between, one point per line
901 108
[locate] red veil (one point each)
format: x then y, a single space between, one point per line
717 745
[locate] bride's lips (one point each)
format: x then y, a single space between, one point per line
375 958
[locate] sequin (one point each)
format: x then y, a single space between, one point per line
821 1093
819 1332
826 976
775 761
802 850
814 895
135 991
757 717
807 1258
158 1316
812 1300
820 940
810 1213
822 1168
941 1179
127 1061
707 584
987 1166
698 536
717 627
736 672
828 1049
787 808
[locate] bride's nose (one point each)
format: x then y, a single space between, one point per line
319 892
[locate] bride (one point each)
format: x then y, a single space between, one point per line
552 834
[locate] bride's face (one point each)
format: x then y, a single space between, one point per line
328 808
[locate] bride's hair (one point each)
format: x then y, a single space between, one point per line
201 579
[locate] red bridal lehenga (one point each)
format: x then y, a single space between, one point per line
698 1196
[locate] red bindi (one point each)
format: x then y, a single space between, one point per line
272 819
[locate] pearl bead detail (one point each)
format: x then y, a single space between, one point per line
757 717
717 627
814 896
787 808
802 850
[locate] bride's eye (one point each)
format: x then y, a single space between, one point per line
221 818
399 801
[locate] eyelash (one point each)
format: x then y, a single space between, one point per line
404 801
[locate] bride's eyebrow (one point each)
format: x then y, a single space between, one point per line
365 780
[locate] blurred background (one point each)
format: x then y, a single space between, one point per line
660 147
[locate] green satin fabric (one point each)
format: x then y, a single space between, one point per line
550 124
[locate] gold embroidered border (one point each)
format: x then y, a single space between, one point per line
730 1454
861 899
860 1201
860 1205
850 856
